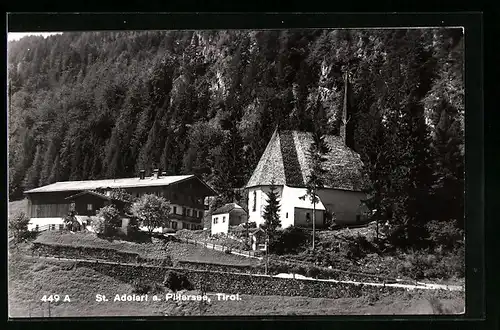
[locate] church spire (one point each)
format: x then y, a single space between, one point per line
345 115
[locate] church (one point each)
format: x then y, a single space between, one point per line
285 163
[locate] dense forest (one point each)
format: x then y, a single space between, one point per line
98 105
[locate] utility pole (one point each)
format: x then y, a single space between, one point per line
267 254
314 217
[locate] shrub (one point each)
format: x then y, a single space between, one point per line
289 240
443 233
99 225
437 306
71 222
313 271
372 297
132 227
18 227
140 287
152 212
358 247
157 288
298 269
111 220
176 281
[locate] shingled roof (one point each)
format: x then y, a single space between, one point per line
227 208
285 161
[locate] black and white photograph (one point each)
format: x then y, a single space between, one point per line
264 172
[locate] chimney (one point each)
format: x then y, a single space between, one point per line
142 174
155 174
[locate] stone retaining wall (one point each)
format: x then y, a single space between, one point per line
232 283
83 252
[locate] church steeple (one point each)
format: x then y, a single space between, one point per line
346 116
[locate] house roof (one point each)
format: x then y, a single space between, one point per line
285 162
94 193
227 208
116 183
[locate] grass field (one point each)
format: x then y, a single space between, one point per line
155 249
30 279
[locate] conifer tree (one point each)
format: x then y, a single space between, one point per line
272 210
316 178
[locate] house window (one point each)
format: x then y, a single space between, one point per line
224 219
215 220
89 207
72 206
308 216
175 209
287 215
137 195
255 200
174 225
189 212
183 211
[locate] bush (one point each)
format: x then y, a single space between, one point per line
140 287
151 211
99 225
444 234
176 281
290 240
426 264
358 247
71 222
298 269
110 220
18 227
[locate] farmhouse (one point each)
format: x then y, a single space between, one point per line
48 205
228 215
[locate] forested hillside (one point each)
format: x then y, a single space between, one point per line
106 104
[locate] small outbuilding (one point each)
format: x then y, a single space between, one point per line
230 214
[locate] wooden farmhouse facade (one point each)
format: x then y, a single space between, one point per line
186 193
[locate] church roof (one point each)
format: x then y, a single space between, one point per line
285 162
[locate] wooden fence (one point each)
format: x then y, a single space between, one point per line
49 227
222 248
